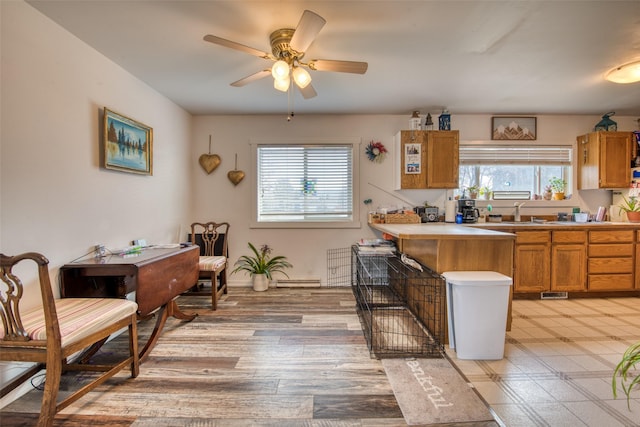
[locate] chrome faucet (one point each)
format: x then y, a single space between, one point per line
516 217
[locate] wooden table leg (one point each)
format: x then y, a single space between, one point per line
168 309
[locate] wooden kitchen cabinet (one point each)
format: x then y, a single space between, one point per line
532 261
568 261
636 269
427 159
604 159
611 260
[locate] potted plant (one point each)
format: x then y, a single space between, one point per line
632 207
473 191
630 359
548 193
485 192
558 186
261 266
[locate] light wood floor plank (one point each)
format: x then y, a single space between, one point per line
281 358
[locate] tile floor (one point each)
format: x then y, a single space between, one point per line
559 358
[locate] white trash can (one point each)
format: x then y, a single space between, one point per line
477 305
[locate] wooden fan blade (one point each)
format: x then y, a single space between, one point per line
339 66
308 92
308 28
252 78
237 46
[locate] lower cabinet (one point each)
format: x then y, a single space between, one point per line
636 269
584 260
611 260
568 261
532 262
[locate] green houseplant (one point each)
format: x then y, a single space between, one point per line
261 266
632 207
473 191
485 192
558 185
630 359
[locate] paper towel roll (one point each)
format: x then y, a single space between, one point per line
450 210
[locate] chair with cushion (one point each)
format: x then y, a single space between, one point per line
49 334
212 237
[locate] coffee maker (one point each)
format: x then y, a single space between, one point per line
467 207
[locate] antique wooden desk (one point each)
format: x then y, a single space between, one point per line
157 276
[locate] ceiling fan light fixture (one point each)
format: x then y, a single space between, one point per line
280 70
627 73
282 84
301 77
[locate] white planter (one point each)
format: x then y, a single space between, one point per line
260 282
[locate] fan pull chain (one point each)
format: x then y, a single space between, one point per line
209 144
290 103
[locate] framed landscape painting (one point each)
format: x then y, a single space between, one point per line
513 128
128 144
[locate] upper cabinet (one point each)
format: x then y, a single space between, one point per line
427 159
604 159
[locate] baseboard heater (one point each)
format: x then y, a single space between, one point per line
554 295
311 282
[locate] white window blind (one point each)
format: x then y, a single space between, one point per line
304 182
510 155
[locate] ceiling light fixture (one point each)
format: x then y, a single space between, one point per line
627 73
282 84
301 77
280 70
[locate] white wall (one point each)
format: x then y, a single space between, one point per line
217 198
55 199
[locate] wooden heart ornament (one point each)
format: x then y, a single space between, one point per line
209 162
235 176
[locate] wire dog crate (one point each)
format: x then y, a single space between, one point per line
401 309
339 267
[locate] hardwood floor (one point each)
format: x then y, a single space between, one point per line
284 357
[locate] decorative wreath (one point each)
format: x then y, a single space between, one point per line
376 152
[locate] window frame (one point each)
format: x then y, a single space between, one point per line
566 163
306 141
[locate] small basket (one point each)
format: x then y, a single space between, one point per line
406 218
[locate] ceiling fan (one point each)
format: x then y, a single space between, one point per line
288 47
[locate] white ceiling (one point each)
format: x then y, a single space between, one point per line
491 57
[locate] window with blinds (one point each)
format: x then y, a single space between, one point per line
505 155
514 168
304 183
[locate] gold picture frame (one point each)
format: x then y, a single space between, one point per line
128 144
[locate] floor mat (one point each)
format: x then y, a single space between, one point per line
431 391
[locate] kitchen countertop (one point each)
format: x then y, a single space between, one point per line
551 225
439 231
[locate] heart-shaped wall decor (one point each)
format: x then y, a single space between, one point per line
209 162
235 176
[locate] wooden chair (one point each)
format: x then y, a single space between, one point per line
212 237
50 334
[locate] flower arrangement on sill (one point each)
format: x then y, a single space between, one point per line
558 185
376 152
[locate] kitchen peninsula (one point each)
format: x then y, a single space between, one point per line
451 247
